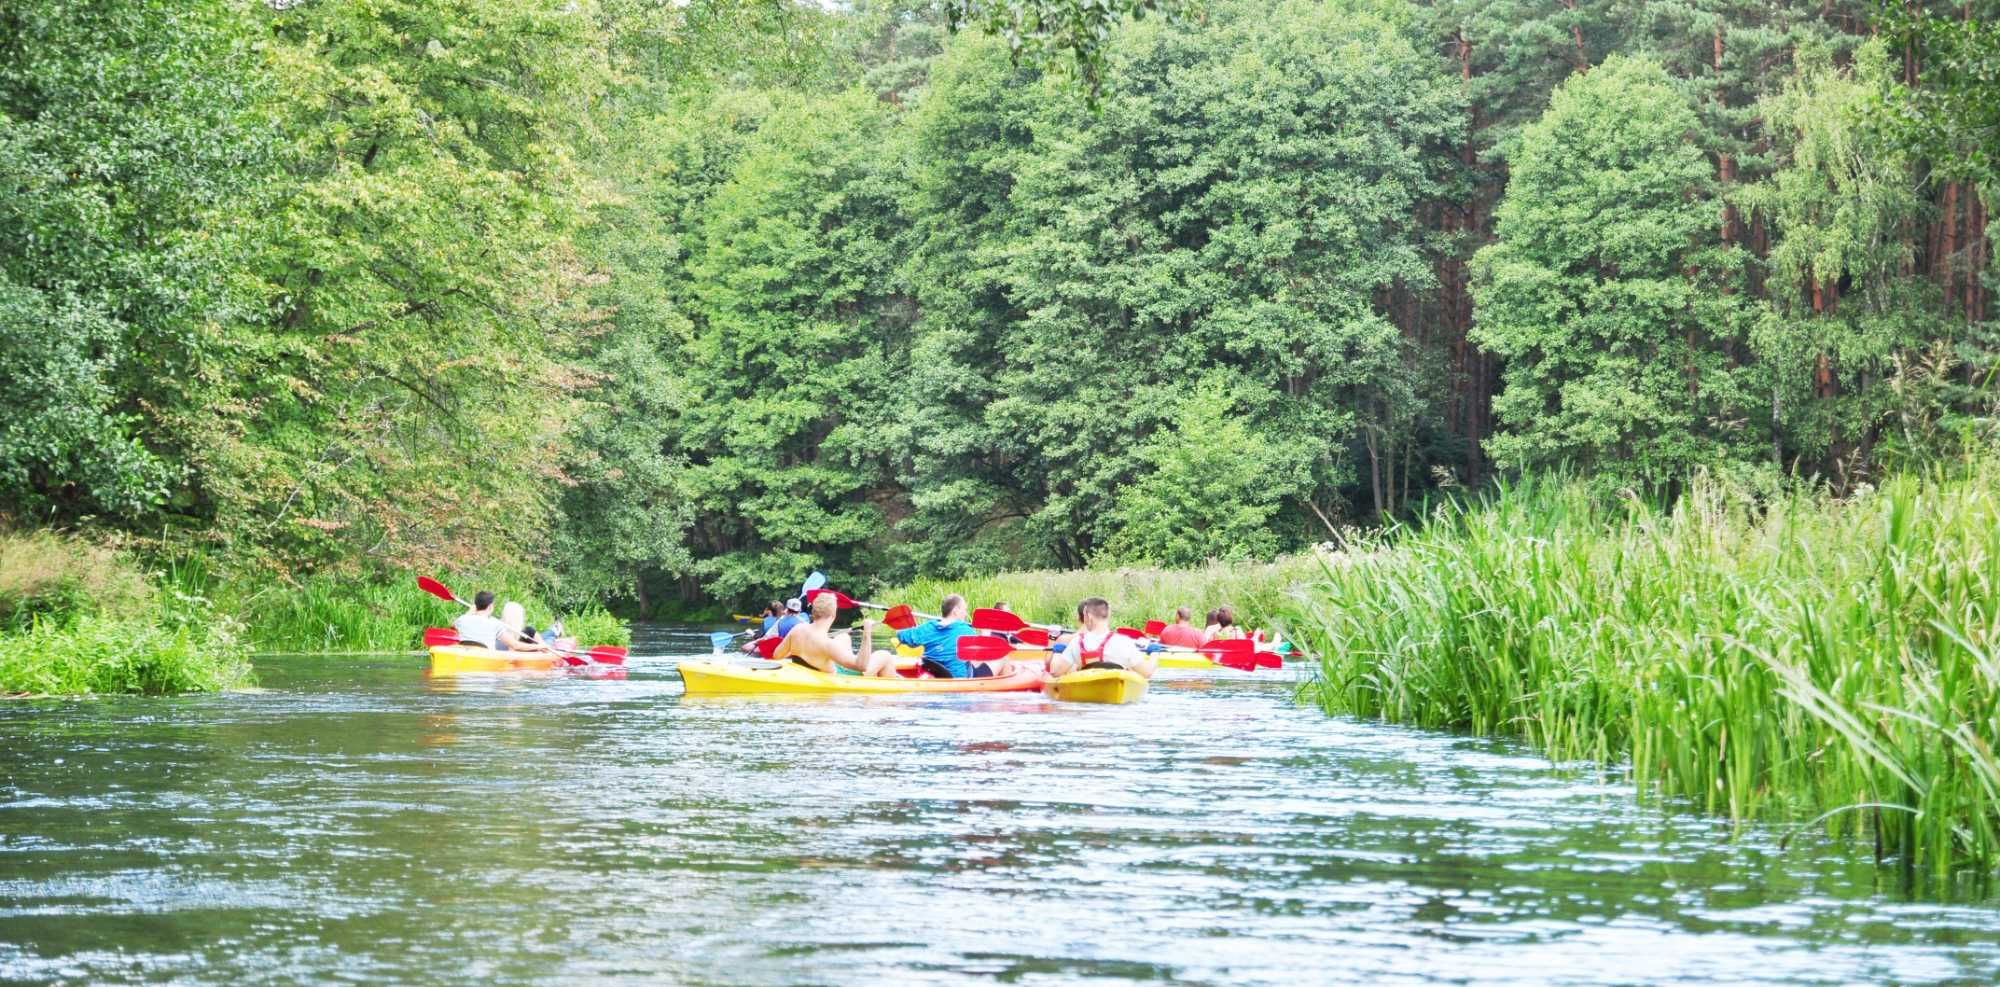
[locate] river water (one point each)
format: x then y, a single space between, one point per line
359 821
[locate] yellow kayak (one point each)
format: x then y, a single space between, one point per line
712 678
471 660
1098 685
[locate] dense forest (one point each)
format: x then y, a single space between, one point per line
672 302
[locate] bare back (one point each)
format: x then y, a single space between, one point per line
818 649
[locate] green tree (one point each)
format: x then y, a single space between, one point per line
131 151
1605 291
1211 487
1845 306
794 344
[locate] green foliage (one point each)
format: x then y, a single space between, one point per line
53 577
1212 487
1038 32
332 613
114 655
1255 591
1839 207
78 617
1605 293
125 148
1759 654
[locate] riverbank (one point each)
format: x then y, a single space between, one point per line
1798 658
77 617
80 617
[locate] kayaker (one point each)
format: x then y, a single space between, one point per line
1181 633
815 646
514 635
478 625
772 611
1222 626
1097 645
791 617
939 639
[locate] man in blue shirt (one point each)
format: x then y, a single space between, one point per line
939 639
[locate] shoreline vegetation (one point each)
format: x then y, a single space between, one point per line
1797 658
1255 590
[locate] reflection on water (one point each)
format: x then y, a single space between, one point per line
361 821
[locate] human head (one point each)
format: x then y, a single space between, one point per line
1211 616
774 608
1093 610
953 607
824 606
1225 616
1002 605
1181 615
793 605
514 616
482 601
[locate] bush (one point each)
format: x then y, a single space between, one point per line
57 577
108 655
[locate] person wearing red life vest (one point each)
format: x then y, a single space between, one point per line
1096 645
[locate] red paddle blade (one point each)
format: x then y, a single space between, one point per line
607 655
1240 662
841 600
1034 637
1216 649
983 649
572 660
767 647
900 617
1154 627
989 619
1269 659
1132 632
435 588
439 637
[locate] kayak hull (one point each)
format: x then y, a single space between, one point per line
1115 686
462 660
708 678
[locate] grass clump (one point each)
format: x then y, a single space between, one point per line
77 618
1790 657
1254 590
48 575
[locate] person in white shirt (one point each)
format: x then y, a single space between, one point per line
478 625
1096 645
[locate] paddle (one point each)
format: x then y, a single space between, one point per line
1033 638
813 582
1154 627
1005 621
437 589
767 646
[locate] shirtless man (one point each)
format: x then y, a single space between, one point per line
814 646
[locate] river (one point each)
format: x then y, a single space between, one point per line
358 821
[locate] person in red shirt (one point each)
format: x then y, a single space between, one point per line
1181 633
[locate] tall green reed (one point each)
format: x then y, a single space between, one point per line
1796 657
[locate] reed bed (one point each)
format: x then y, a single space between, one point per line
1831 661
1253 591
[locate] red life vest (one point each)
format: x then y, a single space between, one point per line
1085 656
